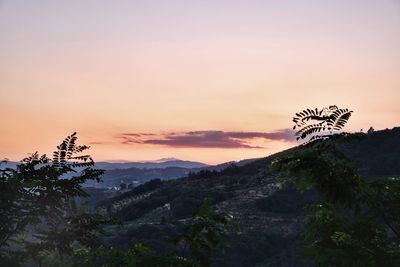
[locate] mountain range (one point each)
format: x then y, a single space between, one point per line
117 173
139 172
157 164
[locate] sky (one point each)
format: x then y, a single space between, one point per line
210 81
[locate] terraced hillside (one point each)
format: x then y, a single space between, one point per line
269 219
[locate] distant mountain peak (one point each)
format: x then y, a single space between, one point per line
162 160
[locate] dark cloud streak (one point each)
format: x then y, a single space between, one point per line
207 139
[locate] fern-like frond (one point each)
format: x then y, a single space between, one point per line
311 122
343 115
310 129
68 156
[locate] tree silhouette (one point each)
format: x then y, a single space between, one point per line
357 220
316 124
37 204
41 221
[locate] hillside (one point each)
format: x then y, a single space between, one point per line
270 220
114 177
117 173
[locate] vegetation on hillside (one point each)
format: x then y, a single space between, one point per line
351 216
270 221
357 220
43 225
37 205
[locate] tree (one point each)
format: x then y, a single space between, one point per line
41 221
37 204
206 233
194 247
357 221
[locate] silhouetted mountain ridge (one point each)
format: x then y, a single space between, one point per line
115 176
158 164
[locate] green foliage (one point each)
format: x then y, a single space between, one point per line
138 255
350 238
286 201
41 221
194 247
188 201
377 151
357 222
258 248
204 235
37 204
184 201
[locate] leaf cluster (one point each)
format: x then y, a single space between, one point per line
314 123
207 232
37 203
202 236
357 221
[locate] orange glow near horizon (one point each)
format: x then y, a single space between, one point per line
103 69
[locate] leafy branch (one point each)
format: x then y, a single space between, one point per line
312 122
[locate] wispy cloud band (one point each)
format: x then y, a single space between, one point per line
206 139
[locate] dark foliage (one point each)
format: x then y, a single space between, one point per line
357 221
314 124
205 233
37 204
240 179
286 201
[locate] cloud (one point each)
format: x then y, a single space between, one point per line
207 139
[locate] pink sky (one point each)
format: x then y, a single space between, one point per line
214 78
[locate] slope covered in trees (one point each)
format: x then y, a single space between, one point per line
270 220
